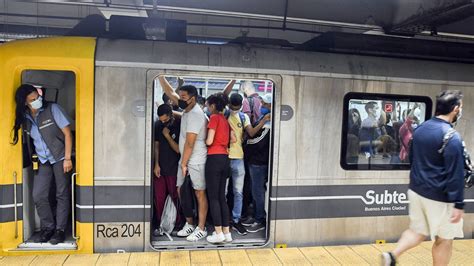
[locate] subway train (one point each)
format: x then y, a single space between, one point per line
322 190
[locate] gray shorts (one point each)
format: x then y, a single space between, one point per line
196 171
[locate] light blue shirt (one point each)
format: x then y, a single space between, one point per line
44 154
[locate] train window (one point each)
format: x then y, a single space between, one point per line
259 100
377 129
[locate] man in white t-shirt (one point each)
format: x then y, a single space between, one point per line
193 150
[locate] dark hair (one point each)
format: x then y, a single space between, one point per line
219 100
21 108
190 89
201 100
369 105
236 99
351 121
165 109
447 100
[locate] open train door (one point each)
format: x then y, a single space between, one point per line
63 71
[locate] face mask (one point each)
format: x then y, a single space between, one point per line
183 104
37 104
264 110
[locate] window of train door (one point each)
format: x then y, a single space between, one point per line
58 91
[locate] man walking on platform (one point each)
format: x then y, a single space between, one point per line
436 190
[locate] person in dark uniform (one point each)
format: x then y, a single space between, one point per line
47 134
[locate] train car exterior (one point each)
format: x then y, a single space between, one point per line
312 199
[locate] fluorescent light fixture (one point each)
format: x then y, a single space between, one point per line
109 11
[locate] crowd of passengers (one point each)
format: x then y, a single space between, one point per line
381 133
220 145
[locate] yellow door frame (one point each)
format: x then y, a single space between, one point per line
75 54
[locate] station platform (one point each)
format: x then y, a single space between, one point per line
463 254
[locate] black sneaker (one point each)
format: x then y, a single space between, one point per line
388 259
156 232
248 221
58 237
45 235
255 227
239 228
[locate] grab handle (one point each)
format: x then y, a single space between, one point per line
15 202
73 206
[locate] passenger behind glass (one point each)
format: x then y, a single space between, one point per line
217 167
257 151
370 129
355 122
353 129
406 132
166 161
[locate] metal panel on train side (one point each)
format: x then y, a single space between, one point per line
315 192
313 88
120 201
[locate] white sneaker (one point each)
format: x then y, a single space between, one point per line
228 237
197 235
388 259
186 231
216 238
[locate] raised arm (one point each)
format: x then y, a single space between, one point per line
168 89
228 88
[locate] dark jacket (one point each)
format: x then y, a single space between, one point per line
257 149
434 175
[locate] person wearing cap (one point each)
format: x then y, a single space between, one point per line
257 151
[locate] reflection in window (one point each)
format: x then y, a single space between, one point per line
378 129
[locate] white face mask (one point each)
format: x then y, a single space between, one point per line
37 104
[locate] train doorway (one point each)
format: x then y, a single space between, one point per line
55 87
251 233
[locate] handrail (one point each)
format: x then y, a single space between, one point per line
73 206
15 203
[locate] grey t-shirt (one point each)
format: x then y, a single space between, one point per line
194 121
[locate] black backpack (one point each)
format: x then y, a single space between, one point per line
468 168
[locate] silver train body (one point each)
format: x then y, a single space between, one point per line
312 200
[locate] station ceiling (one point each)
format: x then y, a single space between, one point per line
296 21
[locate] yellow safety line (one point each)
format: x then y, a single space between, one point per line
463 252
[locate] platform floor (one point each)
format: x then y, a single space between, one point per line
463 254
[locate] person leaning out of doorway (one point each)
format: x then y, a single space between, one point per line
46 126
